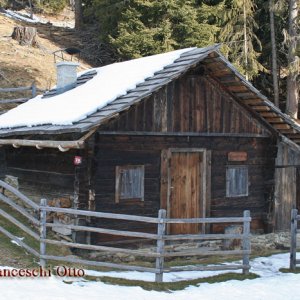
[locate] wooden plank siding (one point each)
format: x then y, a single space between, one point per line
41 173
287 182
189 104
122 150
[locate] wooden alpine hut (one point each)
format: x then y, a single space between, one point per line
182 131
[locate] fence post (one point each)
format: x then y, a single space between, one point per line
294 224
246 243
33 90
161 228
43 216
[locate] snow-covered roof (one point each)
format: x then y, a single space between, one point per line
117 87
110 82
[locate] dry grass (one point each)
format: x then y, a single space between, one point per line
21 65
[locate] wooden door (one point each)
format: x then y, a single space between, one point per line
185 189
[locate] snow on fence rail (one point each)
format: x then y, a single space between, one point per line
295 218
161 237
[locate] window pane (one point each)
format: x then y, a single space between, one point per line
237 181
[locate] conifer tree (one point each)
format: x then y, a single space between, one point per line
143 27
238 33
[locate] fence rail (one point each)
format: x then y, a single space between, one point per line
159 253
31 88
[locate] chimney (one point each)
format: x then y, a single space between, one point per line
66 76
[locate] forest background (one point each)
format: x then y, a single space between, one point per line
261 38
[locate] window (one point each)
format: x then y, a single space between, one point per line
236 181
129 183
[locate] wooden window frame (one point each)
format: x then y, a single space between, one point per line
132 200
246 194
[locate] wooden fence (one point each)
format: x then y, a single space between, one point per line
31 88
161 237
294 230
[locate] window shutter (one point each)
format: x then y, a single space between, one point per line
237 181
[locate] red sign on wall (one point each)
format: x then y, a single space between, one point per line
77 160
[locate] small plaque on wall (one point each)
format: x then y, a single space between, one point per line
237 156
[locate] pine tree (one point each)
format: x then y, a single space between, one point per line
144 27
238 33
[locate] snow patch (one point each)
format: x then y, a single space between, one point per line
16 243
21 17
271 285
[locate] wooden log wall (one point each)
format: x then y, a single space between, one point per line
287 182
192 103
122 150
46 173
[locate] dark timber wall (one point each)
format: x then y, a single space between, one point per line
192 103
46 173
287 185
189 105
119 150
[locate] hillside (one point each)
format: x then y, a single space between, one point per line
23 65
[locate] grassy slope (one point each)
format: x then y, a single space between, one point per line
21 65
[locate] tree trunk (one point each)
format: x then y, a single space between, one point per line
78 14
293 62
274 54
245 39
25 35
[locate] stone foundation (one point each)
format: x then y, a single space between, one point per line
272 241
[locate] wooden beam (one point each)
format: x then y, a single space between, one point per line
275 120
19 100
203 268
44 144
252 101
220 73
184 134
268 114
281 126
293 135
101 214
61 145
18 89
102 248
228 79
237 88
99 263
296 140
261 108
289 130
246 95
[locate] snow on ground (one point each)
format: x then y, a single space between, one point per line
272 285
22 16
74 105
19 238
